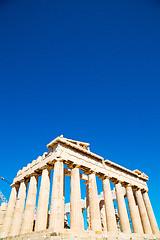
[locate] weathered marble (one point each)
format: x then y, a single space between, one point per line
68 157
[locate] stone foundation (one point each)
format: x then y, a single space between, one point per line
81 235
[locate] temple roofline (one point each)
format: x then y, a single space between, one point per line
72 143
79 145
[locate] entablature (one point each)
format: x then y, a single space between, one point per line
72 153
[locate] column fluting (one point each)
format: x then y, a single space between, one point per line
135 217
43 200
150 212
9 212
87 206
109 207
94 210
124 220
103 218
19 208
28 218
3 208
57 201
143 212
76 217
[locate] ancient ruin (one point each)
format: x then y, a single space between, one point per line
24 219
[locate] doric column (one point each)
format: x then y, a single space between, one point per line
76 217
43 201
28 218
87 206
2 213
150 212
94 210
9 212
57 201
124 220
103 218
19 208
143 212
109 208
135 217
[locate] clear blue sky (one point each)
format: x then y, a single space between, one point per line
89 70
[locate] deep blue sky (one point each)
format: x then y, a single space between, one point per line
89 70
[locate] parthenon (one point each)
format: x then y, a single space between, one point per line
50 217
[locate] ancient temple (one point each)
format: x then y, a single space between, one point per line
24 219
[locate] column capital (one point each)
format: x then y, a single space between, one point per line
89 171
114 180
143 190
74 165
48 167
135 188
16 185
25 180
126 184
34 174
58 159
102 177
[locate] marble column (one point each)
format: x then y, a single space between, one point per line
28 218
143 212
87 206
124 220
76 217
57 201
2 213
19 208
94 210
150 212
135 217
43 200
9 212
109 207
103 218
